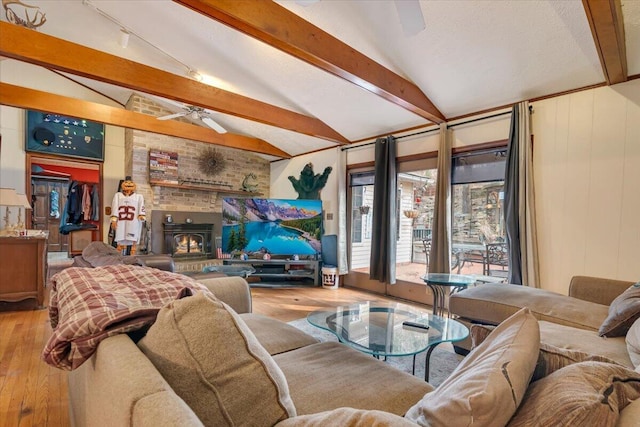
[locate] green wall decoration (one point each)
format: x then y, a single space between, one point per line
309 185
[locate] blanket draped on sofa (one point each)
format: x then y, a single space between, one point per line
88 305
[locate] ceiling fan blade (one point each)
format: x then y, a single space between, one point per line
173 116
411 17
213 125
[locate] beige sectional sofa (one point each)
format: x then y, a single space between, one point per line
566 321
121 384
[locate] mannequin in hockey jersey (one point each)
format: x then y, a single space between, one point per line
127 216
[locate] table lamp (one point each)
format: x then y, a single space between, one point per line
9 198
24 203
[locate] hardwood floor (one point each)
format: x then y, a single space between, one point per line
33 393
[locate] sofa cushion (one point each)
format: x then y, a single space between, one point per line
330 375
347 417
630 415
488 385
587 393
491 304
633 343
478 333
276 336
623 311
550 358
213 361
585 341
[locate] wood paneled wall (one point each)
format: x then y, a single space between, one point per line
586 157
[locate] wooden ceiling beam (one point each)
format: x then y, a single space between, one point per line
273 24
607 28
21 97
37 48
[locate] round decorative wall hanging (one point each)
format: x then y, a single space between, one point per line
212 162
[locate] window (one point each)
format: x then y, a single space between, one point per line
361 185
416 190
477 207
356 214
416 196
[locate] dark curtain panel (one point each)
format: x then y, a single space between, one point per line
511 200
382 265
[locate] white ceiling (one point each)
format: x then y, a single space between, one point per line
472 56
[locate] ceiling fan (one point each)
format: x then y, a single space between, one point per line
409 12
196 113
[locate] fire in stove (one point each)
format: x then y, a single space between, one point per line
188 243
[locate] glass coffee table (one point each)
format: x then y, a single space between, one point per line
378 329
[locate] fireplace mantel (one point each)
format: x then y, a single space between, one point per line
210 188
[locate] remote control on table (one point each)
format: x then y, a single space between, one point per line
414 326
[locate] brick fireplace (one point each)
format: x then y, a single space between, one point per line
201 205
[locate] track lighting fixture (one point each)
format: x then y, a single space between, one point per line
194 75
124 38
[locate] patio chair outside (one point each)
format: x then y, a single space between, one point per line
471 256
497 260
427 251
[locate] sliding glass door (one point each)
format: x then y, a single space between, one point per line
477 212
416 196
416 192
361 184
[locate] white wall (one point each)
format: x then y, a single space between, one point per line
12 127
586 157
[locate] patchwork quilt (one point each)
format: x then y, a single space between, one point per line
88 305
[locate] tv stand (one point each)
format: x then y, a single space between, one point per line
281 268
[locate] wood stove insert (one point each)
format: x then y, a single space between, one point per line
188 240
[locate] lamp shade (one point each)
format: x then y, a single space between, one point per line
8 197
24 202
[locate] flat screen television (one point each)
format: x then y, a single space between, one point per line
276 226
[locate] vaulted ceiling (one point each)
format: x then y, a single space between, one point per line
291 77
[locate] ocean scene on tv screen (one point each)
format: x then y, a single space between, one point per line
276 226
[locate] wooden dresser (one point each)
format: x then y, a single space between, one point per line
23 266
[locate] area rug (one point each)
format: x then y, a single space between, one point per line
442 363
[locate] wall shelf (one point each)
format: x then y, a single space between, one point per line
223 190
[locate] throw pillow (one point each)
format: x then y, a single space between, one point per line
633 343
478 333
347 417
552 358
587 393
213 361
623 311
488 385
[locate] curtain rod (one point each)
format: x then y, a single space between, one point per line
433 130
504 113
